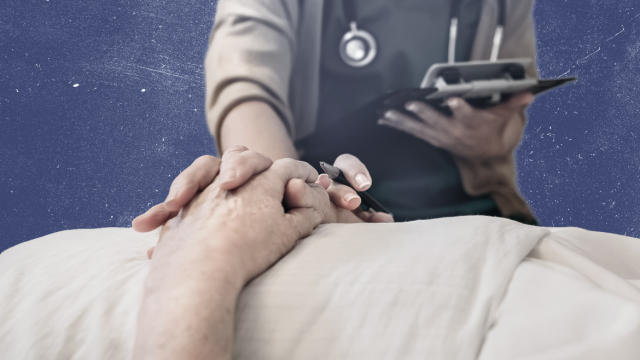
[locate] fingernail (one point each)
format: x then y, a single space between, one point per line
453 103
388 115
362 181
410 106
350 196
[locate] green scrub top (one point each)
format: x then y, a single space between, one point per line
412 178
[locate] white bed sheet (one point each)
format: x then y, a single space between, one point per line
454 288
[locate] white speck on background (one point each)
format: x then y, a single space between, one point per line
143 90
76 85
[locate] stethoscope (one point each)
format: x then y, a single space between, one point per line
358 47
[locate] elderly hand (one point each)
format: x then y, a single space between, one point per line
238 166
249 227
213 247
471 134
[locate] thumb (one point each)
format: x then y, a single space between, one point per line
303 221
519 101
354 170
299 194
460 108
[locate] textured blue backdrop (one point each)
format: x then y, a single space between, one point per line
101 105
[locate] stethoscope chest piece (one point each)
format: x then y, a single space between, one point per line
358 47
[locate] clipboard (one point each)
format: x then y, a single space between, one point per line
482 84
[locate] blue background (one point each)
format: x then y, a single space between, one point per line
101 106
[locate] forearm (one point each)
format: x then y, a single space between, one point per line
256 125
188 308
496 177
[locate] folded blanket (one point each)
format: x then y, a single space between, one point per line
575 297
425 289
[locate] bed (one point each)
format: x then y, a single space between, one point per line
470 287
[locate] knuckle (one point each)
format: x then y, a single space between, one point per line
233 151
176 181
283 165
285 162
206 160
422 110
457 133
239 161
257 157
189 183
237 148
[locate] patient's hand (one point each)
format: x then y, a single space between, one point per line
249 226
213 247
239 165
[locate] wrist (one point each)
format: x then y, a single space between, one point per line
194 264
187 308
511 204
496 177
486 176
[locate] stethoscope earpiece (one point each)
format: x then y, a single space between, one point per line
357 47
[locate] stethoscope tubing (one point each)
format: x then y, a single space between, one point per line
367 48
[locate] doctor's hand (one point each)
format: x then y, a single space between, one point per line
344 196
471 134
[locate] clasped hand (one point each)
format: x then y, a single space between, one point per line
239 165
245 209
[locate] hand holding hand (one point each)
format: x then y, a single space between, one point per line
213 247
239 165
247 228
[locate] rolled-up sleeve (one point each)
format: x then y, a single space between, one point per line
250 57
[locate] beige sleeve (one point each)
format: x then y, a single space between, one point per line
519 34
250 57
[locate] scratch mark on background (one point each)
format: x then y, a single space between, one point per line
163 72
616 34
585 59
168 74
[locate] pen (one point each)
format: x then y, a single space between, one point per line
336 175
